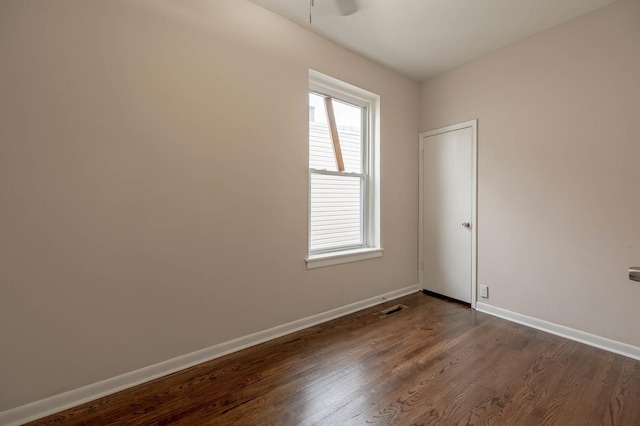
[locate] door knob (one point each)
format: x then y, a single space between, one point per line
466 225
634 273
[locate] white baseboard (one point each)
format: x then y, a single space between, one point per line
63 401
560 330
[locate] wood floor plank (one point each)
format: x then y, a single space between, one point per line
435 362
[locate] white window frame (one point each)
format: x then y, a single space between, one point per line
372 248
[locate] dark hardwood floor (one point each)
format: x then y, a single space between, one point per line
435 362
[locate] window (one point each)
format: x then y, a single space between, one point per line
343 173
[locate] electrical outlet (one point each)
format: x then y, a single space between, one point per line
484 291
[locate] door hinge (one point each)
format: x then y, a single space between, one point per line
422 266
422 154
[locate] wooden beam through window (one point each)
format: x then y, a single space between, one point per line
333 130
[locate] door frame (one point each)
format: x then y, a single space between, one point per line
473 124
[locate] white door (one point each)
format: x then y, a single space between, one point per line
448 206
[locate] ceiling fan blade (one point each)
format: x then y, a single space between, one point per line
347 7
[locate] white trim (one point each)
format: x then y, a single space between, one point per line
337 88
44 407
345 256
563 331
473 124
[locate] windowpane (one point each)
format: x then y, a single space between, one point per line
343 165
321 155
336 212
349 125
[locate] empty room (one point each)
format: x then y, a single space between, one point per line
300 212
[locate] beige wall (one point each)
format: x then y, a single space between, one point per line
559 175
153 184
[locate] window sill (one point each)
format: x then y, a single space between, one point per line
337 258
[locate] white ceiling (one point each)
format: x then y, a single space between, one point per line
421 38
